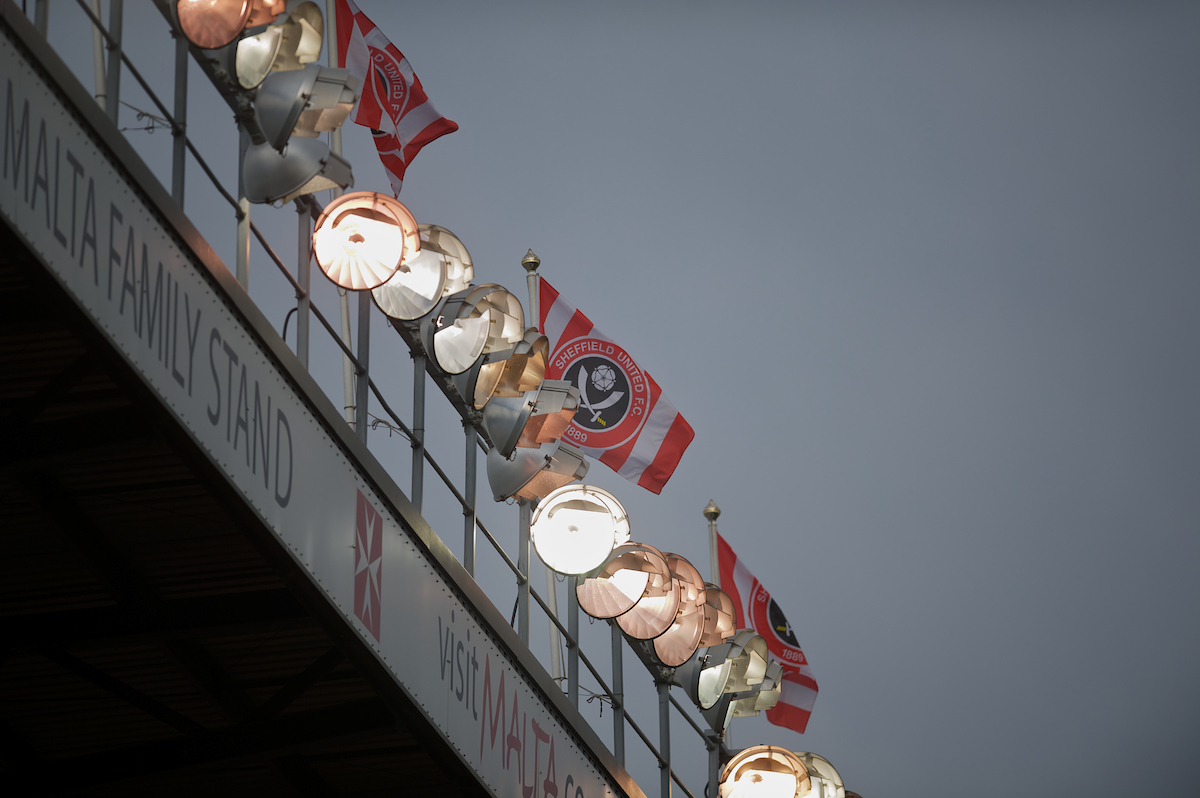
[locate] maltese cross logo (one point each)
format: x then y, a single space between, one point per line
368 564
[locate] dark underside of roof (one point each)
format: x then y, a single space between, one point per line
154 638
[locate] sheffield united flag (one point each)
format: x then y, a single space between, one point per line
624 421
393 104
758 611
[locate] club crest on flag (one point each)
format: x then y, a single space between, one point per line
612 391
389 84
768 620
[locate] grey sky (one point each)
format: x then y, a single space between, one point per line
923 278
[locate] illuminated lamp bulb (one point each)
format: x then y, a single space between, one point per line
719 616
764 771
362 238
676 646
209 24
576 527
632 571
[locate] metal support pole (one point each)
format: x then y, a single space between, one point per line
347 366
242 256
98 79
469 527
664 738
303 243
418 429
41 17
523 567
364 360
714 764
556 669
113 92
179 154
573 645
618 697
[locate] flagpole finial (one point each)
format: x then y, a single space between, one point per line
712 511
531 261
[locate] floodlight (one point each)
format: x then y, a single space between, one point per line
719 616
764 771
531 419
731 668
477 321
511 373
459 269
768 693
651 616
576 527
305 168
280 48
212 23
827 782
631 572
304 102
676 646
534 473
263 12
361 239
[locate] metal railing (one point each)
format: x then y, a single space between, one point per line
308 210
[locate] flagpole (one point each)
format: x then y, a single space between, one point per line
712 512
531 263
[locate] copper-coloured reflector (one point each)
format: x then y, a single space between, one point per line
676 645
652 615
719 616
631 572
212 23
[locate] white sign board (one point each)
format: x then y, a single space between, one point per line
156 304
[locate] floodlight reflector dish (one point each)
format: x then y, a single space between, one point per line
255 55
534 473
305 168
415 288
632 571
263 12
304 102
676 646
209 24
459 269
719 616
531 419
576 527
302 34
361 239
471 323
764 771
827 782
652 615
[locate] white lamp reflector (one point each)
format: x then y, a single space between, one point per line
362 238
652 615
576 527
414 289
459 269
827 782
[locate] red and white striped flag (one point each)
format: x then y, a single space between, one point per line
758 611
393 104
624 421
